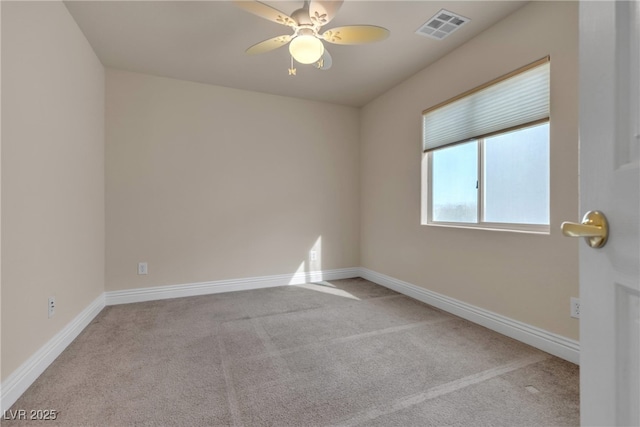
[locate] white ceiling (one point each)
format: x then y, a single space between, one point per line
204 41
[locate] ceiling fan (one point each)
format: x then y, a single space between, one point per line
306 43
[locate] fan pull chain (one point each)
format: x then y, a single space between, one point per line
292 70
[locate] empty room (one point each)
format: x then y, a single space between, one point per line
319 213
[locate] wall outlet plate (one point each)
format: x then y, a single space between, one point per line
51 307
575 307
142 268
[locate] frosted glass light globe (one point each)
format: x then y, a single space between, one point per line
306 49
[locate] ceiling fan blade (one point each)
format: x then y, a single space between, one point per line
355 34
325 62
265 11
322 12
267 45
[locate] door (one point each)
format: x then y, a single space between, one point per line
609 182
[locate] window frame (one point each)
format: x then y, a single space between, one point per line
427 205
492 122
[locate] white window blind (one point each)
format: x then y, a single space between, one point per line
520 98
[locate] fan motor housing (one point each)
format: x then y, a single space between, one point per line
301 16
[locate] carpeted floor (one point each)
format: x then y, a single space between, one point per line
340 353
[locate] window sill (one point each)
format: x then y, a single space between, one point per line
512 228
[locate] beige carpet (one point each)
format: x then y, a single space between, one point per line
342 353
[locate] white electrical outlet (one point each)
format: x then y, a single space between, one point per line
142 268
575 307
313 255
52 306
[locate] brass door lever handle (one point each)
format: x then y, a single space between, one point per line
594 228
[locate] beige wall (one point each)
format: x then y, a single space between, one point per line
52 175
526 277
209 183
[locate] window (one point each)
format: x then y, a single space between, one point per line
486 155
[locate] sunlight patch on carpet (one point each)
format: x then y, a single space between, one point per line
328 288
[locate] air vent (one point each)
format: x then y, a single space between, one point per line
442 24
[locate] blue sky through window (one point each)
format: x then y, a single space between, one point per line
455 172
515 181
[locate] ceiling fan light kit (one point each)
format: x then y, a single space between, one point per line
306 49
306 43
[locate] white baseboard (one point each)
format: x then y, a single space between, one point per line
20 380
557 345
218 286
